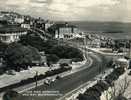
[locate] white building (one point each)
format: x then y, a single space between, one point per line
48 24
24 25
65 31
11 34
19 20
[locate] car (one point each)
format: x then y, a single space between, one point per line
58 77
46 82
11 72
53 79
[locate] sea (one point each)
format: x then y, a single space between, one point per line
115 30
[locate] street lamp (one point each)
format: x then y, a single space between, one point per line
85 47
36 76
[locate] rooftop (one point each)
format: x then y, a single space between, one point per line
8 29
63 25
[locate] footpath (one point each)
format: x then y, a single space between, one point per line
6 80
105 51
81 89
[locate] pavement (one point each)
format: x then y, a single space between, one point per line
7 79
10 79
72 81
101 51
64 74
72 95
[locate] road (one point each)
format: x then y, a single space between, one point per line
43 35
73 81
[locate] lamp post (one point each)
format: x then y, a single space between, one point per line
85 48
129 49
36 76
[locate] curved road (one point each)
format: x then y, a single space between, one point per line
71 82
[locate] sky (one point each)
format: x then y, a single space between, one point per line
72 10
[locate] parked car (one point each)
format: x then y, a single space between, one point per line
58 77
47 82
11 72
53 79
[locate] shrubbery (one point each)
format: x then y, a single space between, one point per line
10 95
3 47
18 56
52 58
52 47
67 52
114 75
57 71
94 93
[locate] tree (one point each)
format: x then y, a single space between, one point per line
87 97
3 46
59 48
52 29
10 95
67 52
52 58
116 92
17 55
32 40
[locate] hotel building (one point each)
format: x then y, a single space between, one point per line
11 34
65 31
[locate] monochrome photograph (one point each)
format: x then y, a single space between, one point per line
65 50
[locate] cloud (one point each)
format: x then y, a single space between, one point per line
38 1
101 10
17 2
79 7
88 3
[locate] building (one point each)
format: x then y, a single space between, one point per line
65 31
122 62
24 25
9 34
48 25
19 20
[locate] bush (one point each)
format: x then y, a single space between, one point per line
10 95
119 70
57 71
114 75
95 92
2 71
17 55
52 58
120 98
76 59
102 85
3 47
67 52
52 47
85 97
63 65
